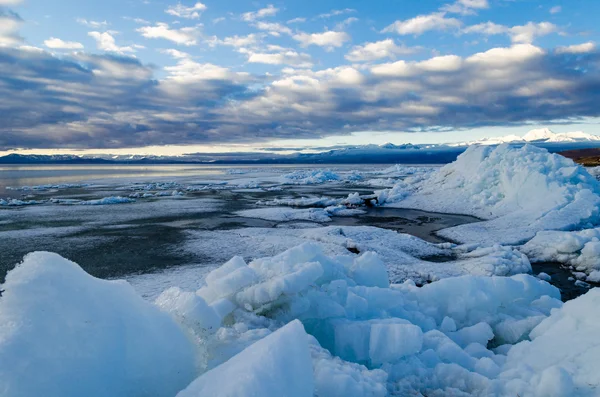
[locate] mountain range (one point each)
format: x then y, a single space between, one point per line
381 154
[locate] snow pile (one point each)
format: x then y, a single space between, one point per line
65 333
284 214
309 177
10 202
353 200
268 361
581 250
484 336
434 339
520 190
103 201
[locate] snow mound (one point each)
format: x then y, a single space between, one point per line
11 202
519 190
66 333
309 177
581 250
278 365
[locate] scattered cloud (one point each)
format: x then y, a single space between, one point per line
184 36
555 9
176 53
10 23
583 48
423 23
273 28
345 23
328 39
334 13
378 50
285 56
182 11
465 7
268 11
10 2
92 24
59 44
105 41
217 20
518 34
297 20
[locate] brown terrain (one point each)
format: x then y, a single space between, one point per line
585 157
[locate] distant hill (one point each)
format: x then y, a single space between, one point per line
587 157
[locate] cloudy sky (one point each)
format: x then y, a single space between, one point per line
123 74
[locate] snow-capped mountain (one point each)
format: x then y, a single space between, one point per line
539 135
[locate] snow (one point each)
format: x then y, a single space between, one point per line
65 333
278 365
244 333
519 191
18 203
580 249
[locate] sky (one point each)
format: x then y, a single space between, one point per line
168 77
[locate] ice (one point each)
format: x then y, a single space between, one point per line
18 203
309 177
519 191
468 335
580 249
65 333
278 365
283 214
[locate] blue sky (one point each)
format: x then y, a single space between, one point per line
214 75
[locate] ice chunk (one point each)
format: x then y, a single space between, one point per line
390 342
278 365
190 309
66 333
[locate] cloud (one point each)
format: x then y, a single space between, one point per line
85 101
377 50
555 9
268 11
10 23
345 23
273 28
518 34
583 48
185 36
333 13
328 39
296 20
465 7
92 24
182 11
59 44
10 2
423 23
106 42
176 53
240 41
285 56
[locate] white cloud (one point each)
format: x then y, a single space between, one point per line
328 39
274 28
92 24
465 7
182 11
377 50
504 57
217 20
583 48
10 2
518 34
345 23
176 53
59 44
185 36
333 13
9 28
106 42
423 23
297 20
446 63
268 11
555 10
240 41
286 57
